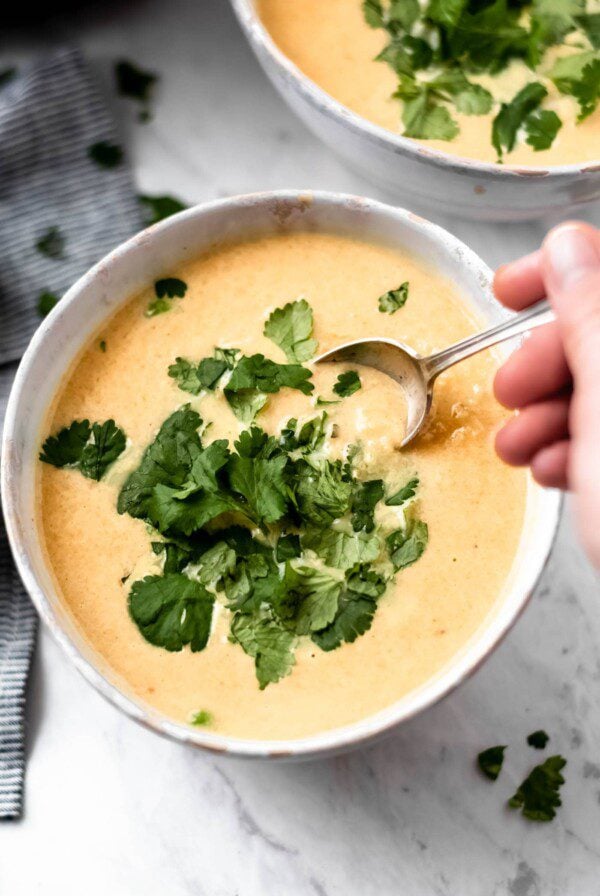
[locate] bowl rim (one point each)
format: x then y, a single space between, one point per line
259 37
456 670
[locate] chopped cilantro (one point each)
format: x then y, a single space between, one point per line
287 548
356 608
514 115
590 23
347 384
51 243
394 299
342 550
311 598
186 375
160 207
46 302
106 154
404 494
405 546
268 642
364 500
106 444
165 290
541 128
202 718
256 376
322 491
90 448
538 796
172 611
171 287
579 75
291 329
206 375
538 739
490 761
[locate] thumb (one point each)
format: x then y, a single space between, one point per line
570 263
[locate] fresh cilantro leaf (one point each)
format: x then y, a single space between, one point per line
106 444
538 739
166 461
364 500
579 75
255 376
291 329
490 761
311 598
217 563
265 639
538 795
166 289
341 550
541 128
186 375
172 611
394 299
176 557
46 302
133 82
404 494
322 491
356 608
306 437
210 370
513 115
590 23
51 243
160 207
171 287
347 384
373 13
287 548
261 482
7 75
468 97
424 118
407 54
66 447
202 718
446 12
405 546
105 154
254 583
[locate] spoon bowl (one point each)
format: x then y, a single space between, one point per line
415 374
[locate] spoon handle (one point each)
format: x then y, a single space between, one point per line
535 316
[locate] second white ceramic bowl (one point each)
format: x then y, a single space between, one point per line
410 171
92 301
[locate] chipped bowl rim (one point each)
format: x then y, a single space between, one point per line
318 98
459 668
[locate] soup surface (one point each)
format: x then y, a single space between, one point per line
448 479
335 47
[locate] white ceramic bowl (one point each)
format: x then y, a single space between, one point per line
410 171
95 298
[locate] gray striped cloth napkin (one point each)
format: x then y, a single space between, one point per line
50 114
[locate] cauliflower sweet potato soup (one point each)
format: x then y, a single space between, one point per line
483 79
235 529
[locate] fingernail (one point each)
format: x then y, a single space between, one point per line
571 253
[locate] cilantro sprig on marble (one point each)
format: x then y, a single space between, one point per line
438 49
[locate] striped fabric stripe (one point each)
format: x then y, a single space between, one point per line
49 116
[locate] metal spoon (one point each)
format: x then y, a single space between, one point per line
417 375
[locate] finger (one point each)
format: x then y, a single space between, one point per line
550 465
536 370
520 283
535 427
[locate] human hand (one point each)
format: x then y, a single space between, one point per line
554 378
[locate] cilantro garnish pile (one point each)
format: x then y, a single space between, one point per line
437 49
274 529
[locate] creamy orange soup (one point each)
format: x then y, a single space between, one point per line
472 504
333 45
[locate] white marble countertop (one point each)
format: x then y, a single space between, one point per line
113 809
